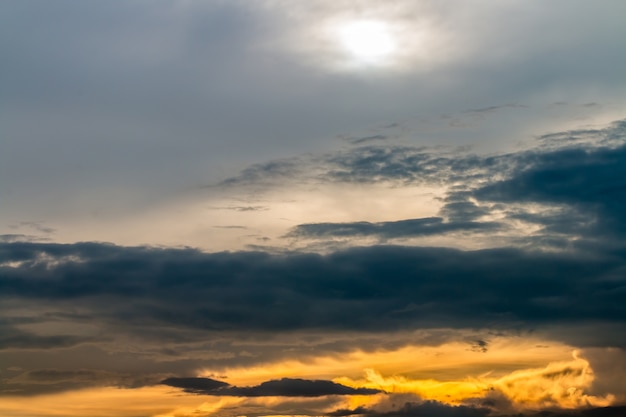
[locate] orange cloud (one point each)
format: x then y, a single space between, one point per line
562 384
527 373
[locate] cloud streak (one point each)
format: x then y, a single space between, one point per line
396 229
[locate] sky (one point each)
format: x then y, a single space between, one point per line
408 208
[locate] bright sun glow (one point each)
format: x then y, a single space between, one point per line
368 41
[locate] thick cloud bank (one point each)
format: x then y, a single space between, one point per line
365 289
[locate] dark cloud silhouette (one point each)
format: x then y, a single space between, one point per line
290 387
285 387
196 385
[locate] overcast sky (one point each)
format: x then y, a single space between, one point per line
314 207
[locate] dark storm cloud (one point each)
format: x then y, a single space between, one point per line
403 228
373 288
285 387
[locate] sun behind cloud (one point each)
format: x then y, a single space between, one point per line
368 41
